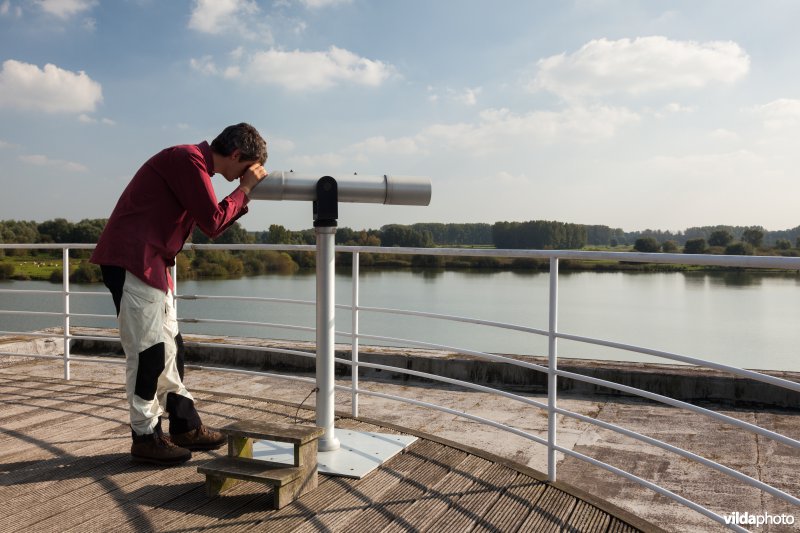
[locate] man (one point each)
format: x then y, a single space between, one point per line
156 213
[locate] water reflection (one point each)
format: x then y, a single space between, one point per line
736 278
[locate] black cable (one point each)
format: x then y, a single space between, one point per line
315 389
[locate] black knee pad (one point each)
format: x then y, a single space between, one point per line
151 365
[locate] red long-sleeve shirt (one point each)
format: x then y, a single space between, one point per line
158 210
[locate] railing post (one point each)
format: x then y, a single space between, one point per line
175 286
354 350
65 277
552 365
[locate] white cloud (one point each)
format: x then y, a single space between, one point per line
229 17
678 108
380 145
237 54
65 9
5 8
232 72
432 96
300 27
204 65
311 162
498 127
51 89
779 114
672 108
468 96
639 66
511 180
83 117
44 161
732 167
722 134
317 4
496 131
300 71
277 144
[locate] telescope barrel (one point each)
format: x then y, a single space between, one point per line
390 190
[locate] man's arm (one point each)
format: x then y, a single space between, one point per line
191 184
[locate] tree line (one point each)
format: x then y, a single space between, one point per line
534 234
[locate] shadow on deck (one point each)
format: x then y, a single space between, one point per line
65 465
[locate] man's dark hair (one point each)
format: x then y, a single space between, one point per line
244 137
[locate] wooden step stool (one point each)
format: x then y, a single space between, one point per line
289 482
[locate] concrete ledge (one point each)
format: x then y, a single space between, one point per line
681 382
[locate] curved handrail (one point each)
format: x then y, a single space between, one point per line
759 262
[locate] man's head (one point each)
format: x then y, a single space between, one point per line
240 146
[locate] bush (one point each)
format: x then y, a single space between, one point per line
6 270
279 262
86 273
234 267
184 265
57 276
695 246
211 270
739 248
720 238
646 245
669 247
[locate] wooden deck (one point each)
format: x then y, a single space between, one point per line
65 466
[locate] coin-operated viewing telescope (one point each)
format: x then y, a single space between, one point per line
326 192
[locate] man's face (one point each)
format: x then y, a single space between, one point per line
238 169
236 166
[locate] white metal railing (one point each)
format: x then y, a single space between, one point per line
552 333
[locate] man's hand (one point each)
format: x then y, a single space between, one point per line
255 173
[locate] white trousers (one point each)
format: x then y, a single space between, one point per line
147 328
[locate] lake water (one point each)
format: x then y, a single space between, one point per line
742 319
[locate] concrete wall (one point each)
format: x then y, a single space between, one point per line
676 381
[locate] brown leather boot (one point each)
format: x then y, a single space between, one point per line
201 438
158 448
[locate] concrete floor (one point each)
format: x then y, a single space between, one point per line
756 456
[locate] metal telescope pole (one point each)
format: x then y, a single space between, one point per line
325 215
358 453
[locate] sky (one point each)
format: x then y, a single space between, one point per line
632 114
